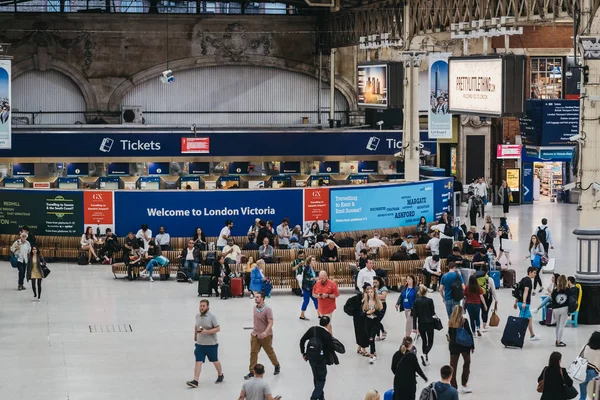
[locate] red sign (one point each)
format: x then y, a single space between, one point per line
316 204
98 209
508 151
41 185
195 145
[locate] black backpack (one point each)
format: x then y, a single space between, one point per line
542 235
516 292
314 349
211 257
456 288
572 300
82 259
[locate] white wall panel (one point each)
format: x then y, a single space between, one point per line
235 89
47 91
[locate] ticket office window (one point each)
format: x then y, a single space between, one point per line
546 77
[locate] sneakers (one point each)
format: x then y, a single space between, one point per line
478 333
220 378
536 311
190 280
484 330
467 389
277 370
430 290
250 375
423 361
150 279
192 384
535 338
371 361
251 295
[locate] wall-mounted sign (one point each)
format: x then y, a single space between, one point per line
199 168
77 169
380 85
453 161
513 179
41 185
289 167
440 120
5 101
159 168
487 85
550 122
23 169
329 167
368 167
239 168
195 145
508 151
118 169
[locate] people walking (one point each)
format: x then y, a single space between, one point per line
405 367
536 251
261 336
544 235
353 308
443 388
560 309
505 240
487 285
309 278
554 379
423 313
326 291
207 345
452 288
459 345
505 196
21 250
406 301
591 352
316 347
474 301
382 292
255 388
34 272
372 307
523 302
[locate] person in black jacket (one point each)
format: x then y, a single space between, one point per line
111 245
319 363
423 313
220 273
404 368
353 307
555 377
401 255
456 322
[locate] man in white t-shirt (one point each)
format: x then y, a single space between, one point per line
434 243
374 243
224 235
365 275
481 189
145 234
362 244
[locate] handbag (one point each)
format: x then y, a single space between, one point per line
536 262
14 260
578 368
45 270
569 391
494 319
540 385
437 323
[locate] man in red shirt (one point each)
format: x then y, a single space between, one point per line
326 291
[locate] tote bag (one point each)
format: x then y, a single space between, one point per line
578 368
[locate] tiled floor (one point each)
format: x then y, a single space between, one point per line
48 351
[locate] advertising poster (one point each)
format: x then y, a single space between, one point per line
381 207
98 210
513 179
5 101
372 85
475 86
182 211
504 151
453 161
51 213
316 207
195 145
440 121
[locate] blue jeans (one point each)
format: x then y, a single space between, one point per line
220 248
150 266
190 267
474 311
450 306
591 374
307 295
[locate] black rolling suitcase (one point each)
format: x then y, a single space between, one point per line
181 275
204 288
225 291
514 332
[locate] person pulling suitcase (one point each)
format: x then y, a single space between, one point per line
522 295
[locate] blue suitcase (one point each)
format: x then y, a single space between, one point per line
514 332
495 275
389 395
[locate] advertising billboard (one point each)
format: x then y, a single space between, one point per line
440 120
52 213
372 85
506 151
5 101
476 86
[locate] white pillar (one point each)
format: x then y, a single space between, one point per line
410 136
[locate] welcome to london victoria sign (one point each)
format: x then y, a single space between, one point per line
168 212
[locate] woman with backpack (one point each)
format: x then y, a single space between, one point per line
486 283
461 343
406 301
405 367
554 379
536 251
489 231
505 234
423 313
474 302
371 306
560 308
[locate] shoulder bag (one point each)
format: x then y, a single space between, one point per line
45 270
494 319
14 260
578 368
569 390
437 323
540 385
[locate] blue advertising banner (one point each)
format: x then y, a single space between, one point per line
199 168
443 190
77 169
182 212
527 183
169 144
158 168
289 167
381 207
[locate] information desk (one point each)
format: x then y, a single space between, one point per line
346 208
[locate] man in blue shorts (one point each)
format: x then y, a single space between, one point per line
524 301
207 346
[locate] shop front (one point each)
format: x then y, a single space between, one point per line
545 170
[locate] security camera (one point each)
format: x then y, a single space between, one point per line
193 128
596 187
425 153
399 154
167 77
570 186
379 123
568 74
575 138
